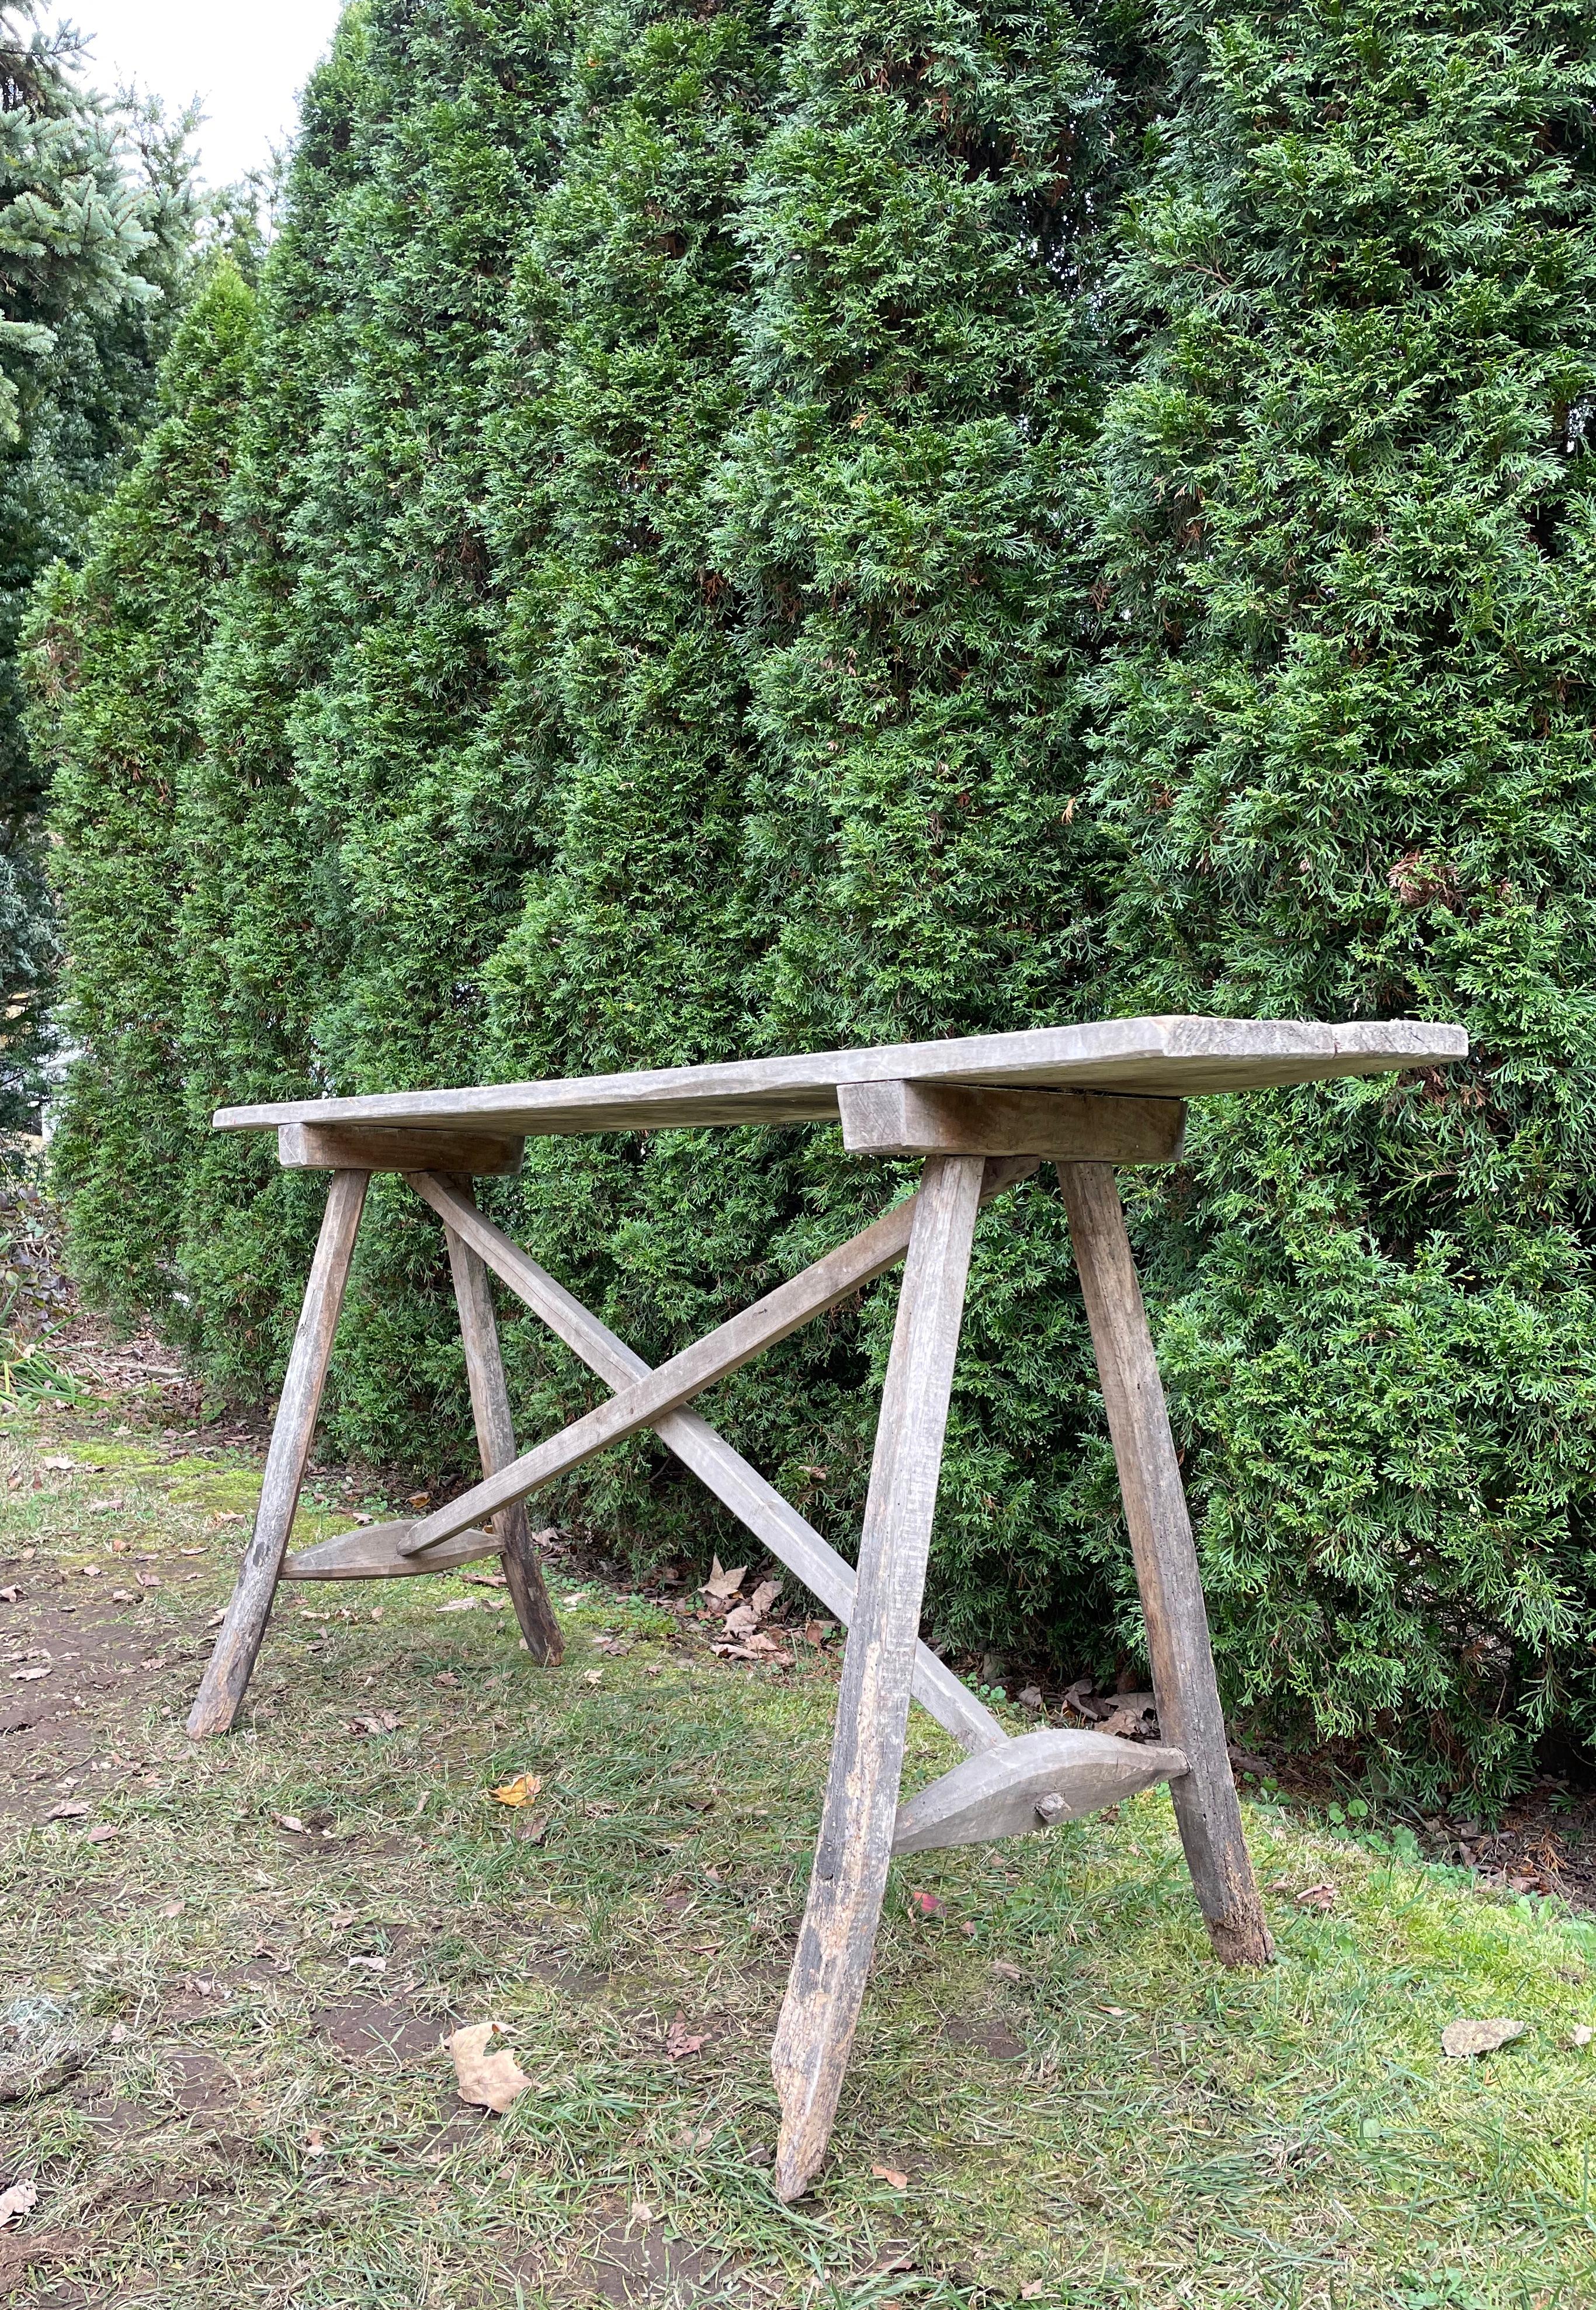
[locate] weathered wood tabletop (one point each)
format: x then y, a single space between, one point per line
981 1112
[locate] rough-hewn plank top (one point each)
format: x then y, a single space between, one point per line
1170 1058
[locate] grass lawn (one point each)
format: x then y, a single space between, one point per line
220 2034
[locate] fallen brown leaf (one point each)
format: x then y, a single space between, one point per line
486 2080
1318 1897
1460 2038
592 1675
891 2176
763 1598
721 1584
101 1833
678 2043
1034 2291
521 1790
68 1812
27 1675
9 1595
1001 1964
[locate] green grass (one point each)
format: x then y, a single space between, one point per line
1124 2124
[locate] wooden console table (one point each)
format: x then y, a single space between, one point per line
981 1113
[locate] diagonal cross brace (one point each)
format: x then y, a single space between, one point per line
786 1309
756 1504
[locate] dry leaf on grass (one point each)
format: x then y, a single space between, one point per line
533 1831
22 2196
9 1595
360 1727
26 1675
55 1463
486 2080
1318 1897
68 1812
1580 2035
1034 2291
1459 2038
678 2043
521 1790
891 2176
1001 1964
460 1604
925 1905
369 1964
101 1833
592 1675
720 1584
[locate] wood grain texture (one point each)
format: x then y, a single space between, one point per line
1190 1717
798 1301
1065 1126
371 1552
239 1638
827 1985
791 1539
1170 1057
997 1794
496 1446
372 1147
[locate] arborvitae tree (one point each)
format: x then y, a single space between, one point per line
1347 547
762 527
89 263
115 649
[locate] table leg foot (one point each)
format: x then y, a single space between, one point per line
1190 1717
239 1638
496 1442
821 2014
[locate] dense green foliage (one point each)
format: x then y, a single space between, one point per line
750 529
90 248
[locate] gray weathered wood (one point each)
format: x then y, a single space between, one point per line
371 1552
1190 1717
1170 1057
496 1446
1065 1126
826 1986
998 1793
374 1147
239 1638
798 1301
738 1485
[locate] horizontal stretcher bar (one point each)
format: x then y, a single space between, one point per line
1171 1057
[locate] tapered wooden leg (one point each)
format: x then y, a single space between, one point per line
239 1639
496 1442
827 1987
1190 1717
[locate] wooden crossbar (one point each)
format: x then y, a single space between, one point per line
793 1304
756 1504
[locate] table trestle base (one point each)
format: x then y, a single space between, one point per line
975 1141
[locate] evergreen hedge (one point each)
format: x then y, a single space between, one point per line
750 529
